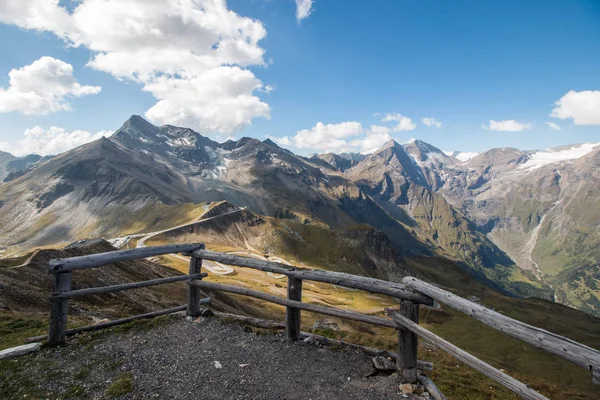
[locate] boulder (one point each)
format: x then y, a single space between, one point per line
19 350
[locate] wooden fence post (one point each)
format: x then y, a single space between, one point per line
193 307
292 315
407 344
59 309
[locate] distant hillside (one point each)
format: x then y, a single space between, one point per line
500 215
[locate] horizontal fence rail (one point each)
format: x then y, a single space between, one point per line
561 346
334 312
411 293
63 276
109 324
100 259
397 290
507 381
125 286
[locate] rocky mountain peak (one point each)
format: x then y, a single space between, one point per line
341 161
423 151
269 142
388 145
138 124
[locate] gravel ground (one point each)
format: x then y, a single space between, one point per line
181 359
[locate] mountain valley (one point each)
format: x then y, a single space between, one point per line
499 215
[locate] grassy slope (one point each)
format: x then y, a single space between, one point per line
551 375
24 304
321 248
572 267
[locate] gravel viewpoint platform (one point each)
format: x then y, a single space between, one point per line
183 359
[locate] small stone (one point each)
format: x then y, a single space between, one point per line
383 364
418 389
326 324
407 388
19 350
218 365
310 340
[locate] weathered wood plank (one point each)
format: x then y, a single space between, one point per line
292 303
292 314
99 259
59 309
372 285
431 388
125 286
109 324
561 346
407 344
505 380
194 295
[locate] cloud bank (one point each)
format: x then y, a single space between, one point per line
51 141
43 87
509 125
191 55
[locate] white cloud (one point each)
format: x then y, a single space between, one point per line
343 137
330 137
431 122
404 123
193 49
303 9
39 15
376 137
553 126
44 86
509 125
583 107
379 130
218 100
282 141
52 141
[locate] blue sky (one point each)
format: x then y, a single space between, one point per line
463 63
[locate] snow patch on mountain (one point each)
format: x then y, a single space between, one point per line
559 154
462 155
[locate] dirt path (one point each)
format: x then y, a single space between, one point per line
206 360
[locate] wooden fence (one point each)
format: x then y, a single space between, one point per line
411 293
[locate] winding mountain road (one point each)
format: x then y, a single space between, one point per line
211 266
201 220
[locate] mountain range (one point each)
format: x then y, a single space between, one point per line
523 222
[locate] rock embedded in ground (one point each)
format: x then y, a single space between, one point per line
383 364
406 388
325 325
18 351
